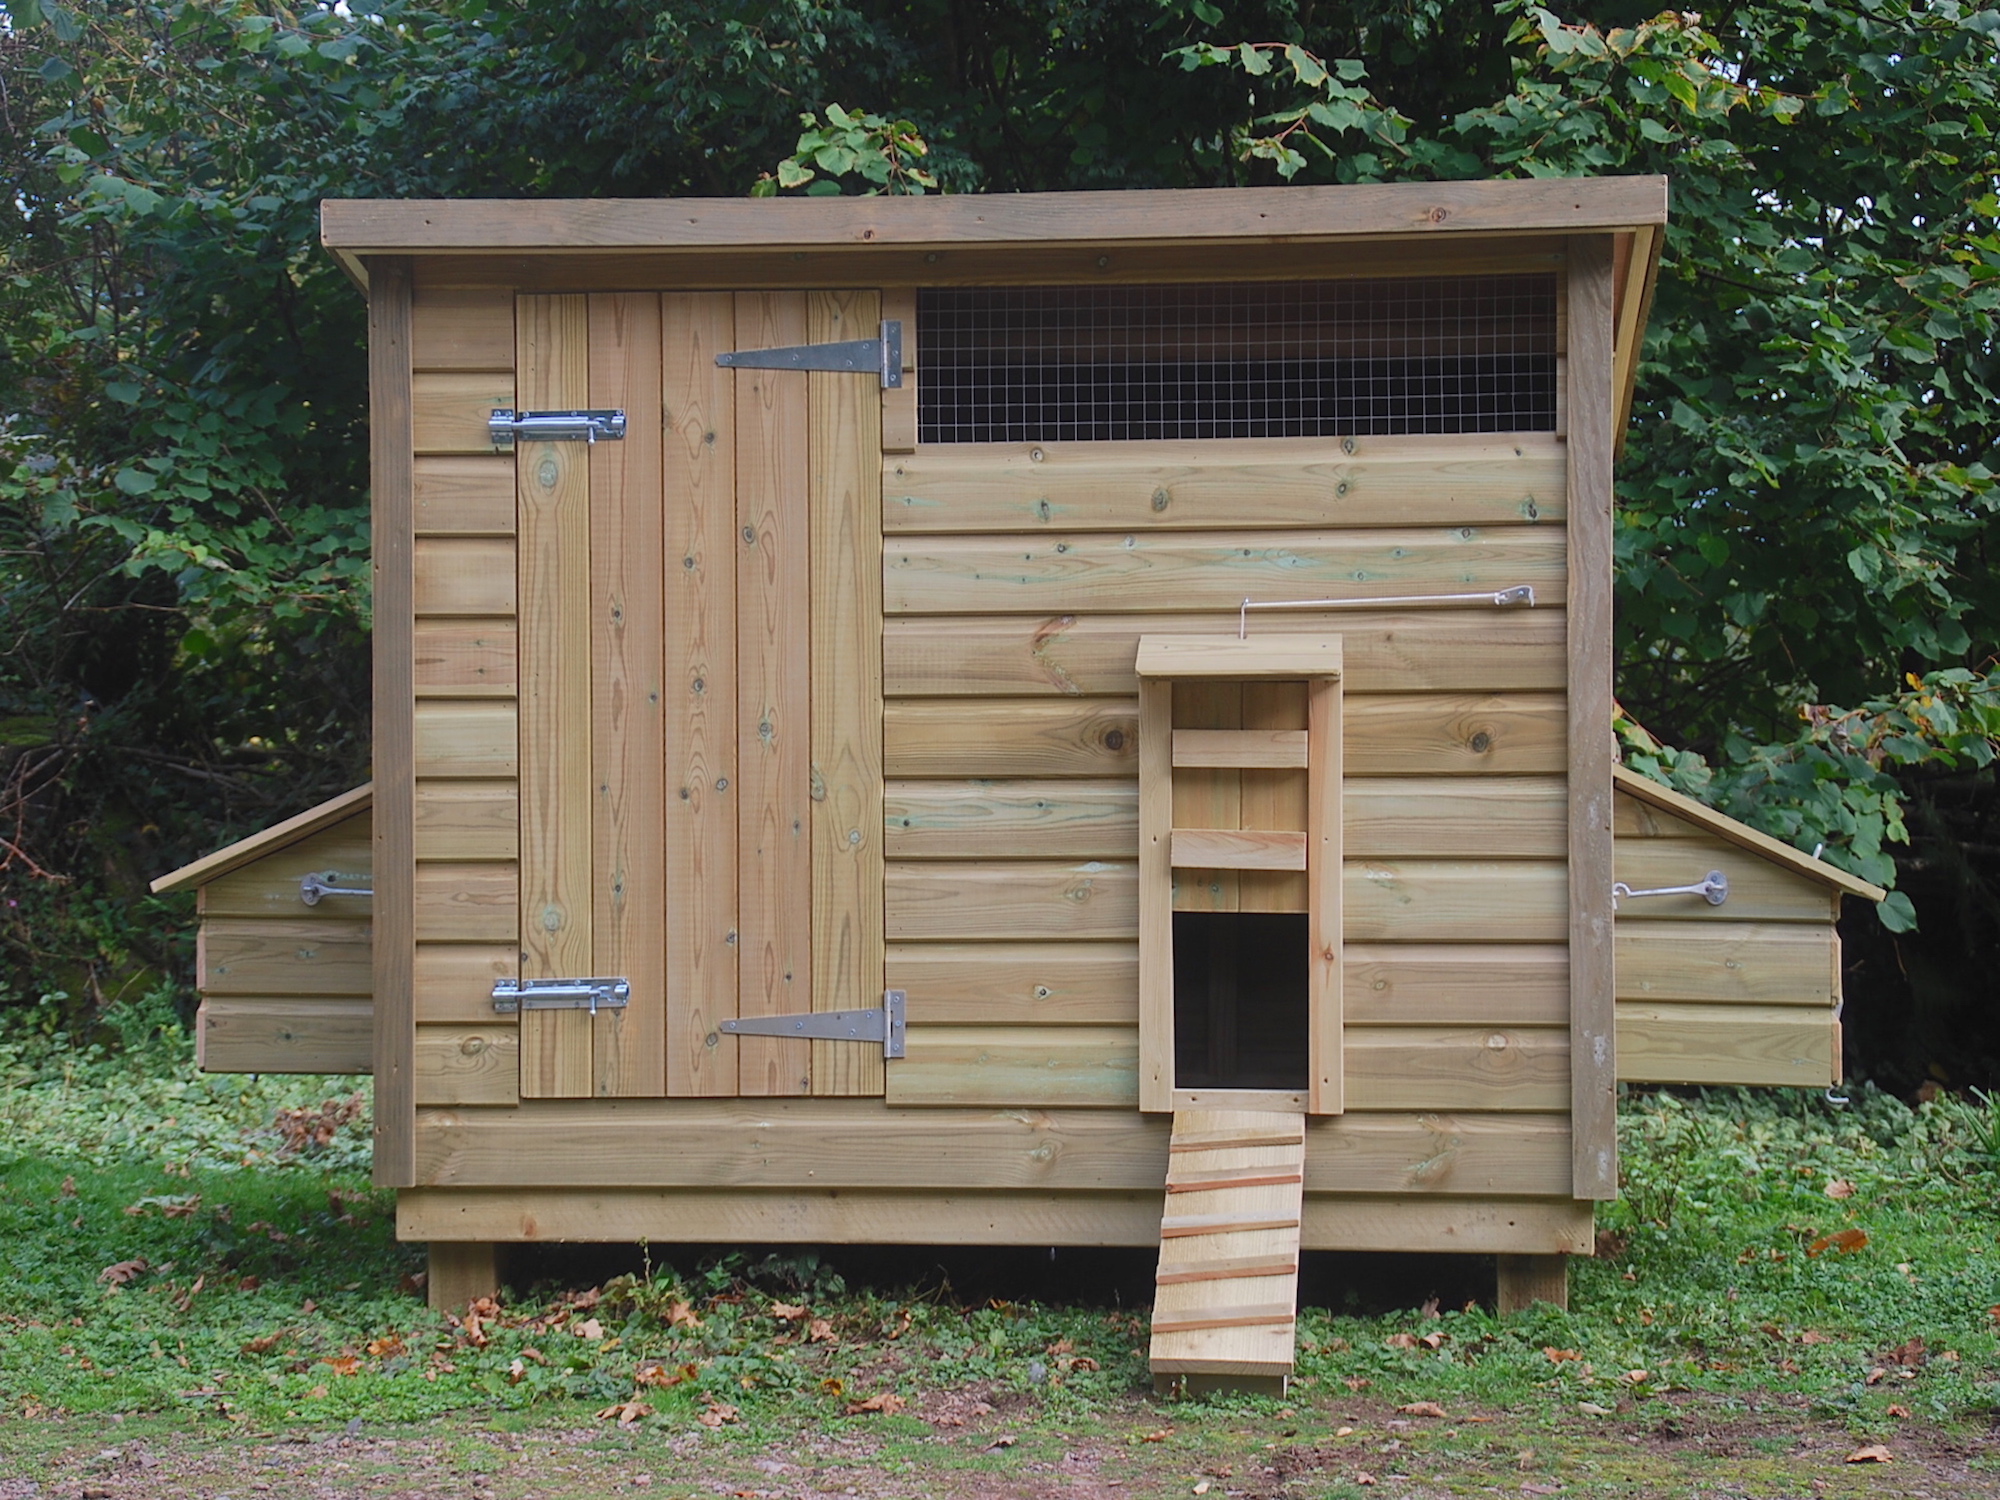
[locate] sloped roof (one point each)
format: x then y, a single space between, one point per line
277 836
1742 835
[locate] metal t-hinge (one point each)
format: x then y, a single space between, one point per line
593 995
1714 889
884 1025
883 357
316 885
506 425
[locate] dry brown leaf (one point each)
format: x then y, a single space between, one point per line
123 1271
1362 1476
656 1374
1084 1362
1840 1187
1814 1336
1160 1435
1636 1377
318 1393
886 1402
264 1343
1592 1409
386 1347
69 1187
1357 1383
589 1328
1911 1352
517 1371
186 1299
1557 1356
1874 1453
343 1364
833 1385
1422 1409
679 1312
1846 1241
1202 1488
1400 1341
1341 1432
1434 1341
786 1311
819 1331
625 1413
716 1413
1000 1442
1900 1411
1876 1376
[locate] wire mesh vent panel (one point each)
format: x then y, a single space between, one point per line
1313 359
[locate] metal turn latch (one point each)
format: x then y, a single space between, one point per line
593 995
884 1025
506 425
316 885
1714 889
883 357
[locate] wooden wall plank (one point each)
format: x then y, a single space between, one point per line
1727 962
465 576
1206 798
317 954
1592 751
1239 851
466 903
467 658
627 730
774 704
1251 484
450 412
1439 1068
1018 1067
899 404
465 496
1457 983
1069 655
1388 734
1326 959
468 738
553 362
700 673
1273 798
1031 983
463 328
1441 1154
475 820
1049 899
1206 570
461 1066
1156 895
454 982
845 425
284 1034
1747 1045
1435 900
983 1217
392 523
1759 891
1388 817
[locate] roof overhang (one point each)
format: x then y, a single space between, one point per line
268 841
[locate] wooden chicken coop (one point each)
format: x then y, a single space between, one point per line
1075 719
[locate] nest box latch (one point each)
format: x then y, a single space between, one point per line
507 426
1713 888
511 996
882 357
884 1025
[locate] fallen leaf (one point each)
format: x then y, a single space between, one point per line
123 1272
186 1299
1084 1362
1592 1409
1636 1377
1202 1488
886 1402
264 1343
1557 1356
1159 1436
69 1187
1814 1336
1429 1309
317 1393
1900 1411
679 1313
386 1347
343 1364
1342 1431
1000 1442
653 1373
716 1413
1911 1352
1874 1453
1357 1383
833 1385
1840 1187
517 1372
1400 1341
1433 1341
1362 1476
1846 1241
1422 1409
787 1310
589 1328
626 1413
1875 1376
819 1331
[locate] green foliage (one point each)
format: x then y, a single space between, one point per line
880 155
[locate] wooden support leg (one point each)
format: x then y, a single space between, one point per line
1528 1279
462 1273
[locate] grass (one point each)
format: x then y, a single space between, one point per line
193 1253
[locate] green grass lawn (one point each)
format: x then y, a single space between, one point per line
191 1254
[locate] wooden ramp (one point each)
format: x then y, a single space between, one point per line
1227 1299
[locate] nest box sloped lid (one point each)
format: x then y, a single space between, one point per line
269 841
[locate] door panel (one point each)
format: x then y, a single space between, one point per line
700 611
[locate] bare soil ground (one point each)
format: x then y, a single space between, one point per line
969 1445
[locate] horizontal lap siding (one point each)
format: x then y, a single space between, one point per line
1018 580
466 805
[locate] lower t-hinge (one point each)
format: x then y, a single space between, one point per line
884 1025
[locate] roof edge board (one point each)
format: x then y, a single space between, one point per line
1752 840
246 851
1537 205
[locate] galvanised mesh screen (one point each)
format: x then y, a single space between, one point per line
1313 359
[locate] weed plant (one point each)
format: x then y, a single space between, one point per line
209 1246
